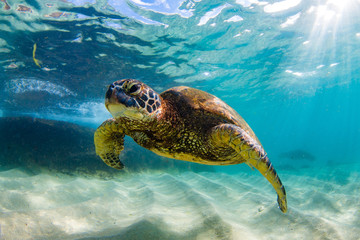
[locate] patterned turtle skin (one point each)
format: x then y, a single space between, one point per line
181 123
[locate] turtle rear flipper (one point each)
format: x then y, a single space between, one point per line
109 142
250 152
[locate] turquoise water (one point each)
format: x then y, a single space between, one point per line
290 68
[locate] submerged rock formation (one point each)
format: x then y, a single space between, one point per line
298 154
55 145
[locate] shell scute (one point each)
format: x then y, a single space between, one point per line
197 100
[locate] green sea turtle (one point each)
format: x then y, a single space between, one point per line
181 123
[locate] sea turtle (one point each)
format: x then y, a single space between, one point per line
181 123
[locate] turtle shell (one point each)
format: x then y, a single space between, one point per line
191 103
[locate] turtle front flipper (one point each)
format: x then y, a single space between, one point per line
109 142
250 152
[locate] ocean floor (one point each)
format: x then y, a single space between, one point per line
324 203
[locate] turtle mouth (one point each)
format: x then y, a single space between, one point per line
119 104
132 99
116 95
120 110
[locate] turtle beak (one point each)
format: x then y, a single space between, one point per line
119 104
110 96
115 95
109 92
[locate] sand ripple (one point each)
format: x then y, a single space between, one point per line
176 206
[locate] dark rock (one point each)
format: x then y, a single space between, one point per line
66 147
298 154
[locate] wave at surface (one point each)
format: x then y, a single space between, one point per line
19 86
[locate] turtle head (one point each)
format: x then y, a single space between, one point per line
132 99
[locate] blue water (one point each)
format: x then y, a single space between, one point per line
290 68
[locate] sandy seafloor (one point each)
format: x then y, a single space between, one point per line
324 203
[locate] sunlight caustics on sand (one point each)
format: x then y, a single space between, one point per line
178 206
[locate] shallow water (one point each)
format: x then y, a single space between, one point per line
290 68
163 205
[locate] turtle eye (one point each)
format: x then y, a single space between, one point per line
134 89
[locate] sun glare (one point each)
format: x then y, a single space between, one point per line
334 10
329 27
329 19
339 4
